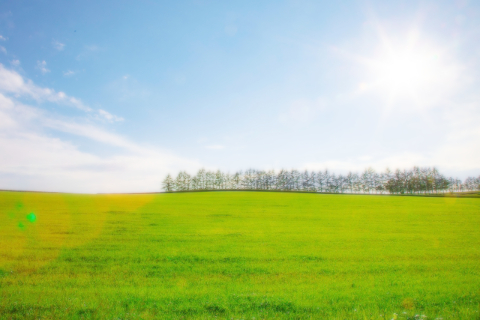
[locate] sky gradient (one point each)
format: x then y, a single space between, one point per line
112 96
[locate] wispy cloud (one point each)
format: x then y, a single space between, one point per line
215 147
42 66
59 165
68 73
2 38
458 155
127 88
13 83
15 62
28 132
108 116
88 51
58 45
2 49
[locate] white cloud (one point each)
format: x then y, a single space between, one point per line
459 156
35 155
110 117
215 147
127 88
32 158
13 83
92 47
2 49
68 73
460 150
42 66
58 45
15 62
2 38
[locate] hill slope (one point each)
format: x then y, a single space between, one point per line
238 255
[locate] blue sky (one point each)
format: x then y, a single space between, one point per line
111 96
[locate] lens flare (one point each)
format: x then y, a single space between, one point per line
31 217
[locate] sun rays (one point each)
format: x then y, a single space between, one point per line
407 69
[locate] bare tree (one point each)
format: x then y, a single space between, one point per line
210 180
416 180
168 184
219 180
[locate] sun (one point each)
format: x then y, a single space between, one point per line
406 71
409 71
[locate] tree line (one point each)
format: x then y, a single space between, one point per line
414 181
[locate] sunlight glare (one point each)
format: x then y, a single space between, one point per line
408 71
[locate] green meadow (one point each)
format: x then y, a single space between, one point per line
238 255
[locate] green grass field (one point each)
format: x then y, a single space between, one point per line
238 255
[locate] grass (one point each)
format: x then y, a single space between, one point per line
238 255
